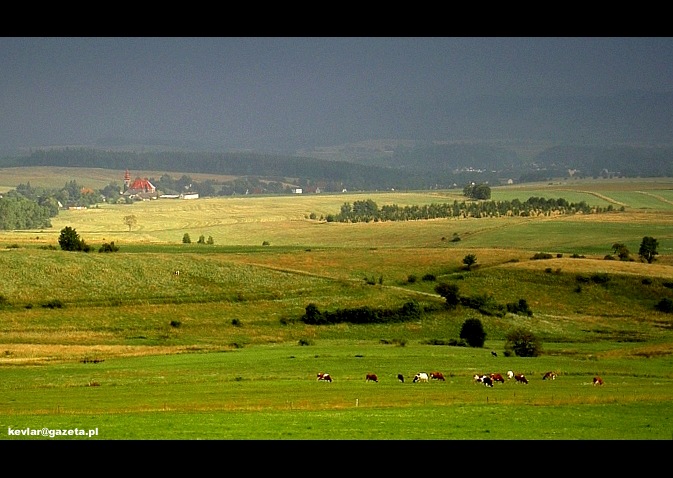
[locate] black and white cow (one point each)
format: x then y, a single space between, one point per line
324 376
421 377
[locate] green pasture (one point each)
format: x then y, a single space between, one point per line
118 342
270 392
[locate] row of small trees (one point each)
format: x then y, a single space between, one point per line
186 239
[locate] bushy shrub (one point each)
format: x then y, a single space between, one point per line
53 304
108 247
664 305
411 279
429 278
542 255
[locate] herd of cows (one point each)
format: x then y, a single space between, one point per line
486 379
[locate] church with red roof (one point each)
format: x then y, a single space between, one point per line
141 188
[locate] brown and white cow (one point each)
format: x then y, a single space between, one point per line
496 377
324 376
549 376
520 378
371 377
437 376
598 380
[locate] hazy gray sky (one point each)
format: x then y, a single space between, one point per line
60 90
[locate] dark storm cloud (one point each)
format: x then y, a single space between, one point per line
232 92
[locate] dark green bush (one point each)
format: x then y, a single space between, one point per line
664 305
53 304
473 333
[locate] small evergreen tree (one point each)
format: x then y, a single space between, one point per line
186 239
69 240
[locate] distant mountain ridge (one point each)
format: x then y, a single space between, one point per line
402 144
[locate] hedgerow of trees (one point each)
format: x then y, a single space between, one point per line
368 211
362 315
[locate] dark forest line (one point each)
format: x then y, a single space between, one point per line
420 167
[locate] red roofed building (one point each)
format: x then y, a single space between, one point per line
140 188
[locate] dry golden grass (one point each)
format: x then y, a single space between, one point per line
35 354
598 265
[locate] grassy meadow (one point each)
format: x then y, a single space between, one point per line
120 343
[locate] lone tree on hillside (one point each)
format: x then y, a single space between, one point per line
69 240
469 260
648 249
473 333
130 221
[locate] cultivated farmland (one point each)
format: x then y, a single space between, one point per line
119 342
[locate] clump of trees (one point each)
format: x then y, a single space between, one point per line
477 191
485 303
522 343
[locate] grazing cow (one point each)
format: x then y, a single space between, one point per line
549 376
510 374
437 376
421 377
520 378
400 377
485 379
324 376
494 353
496 377
176 273
598 380
372 377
